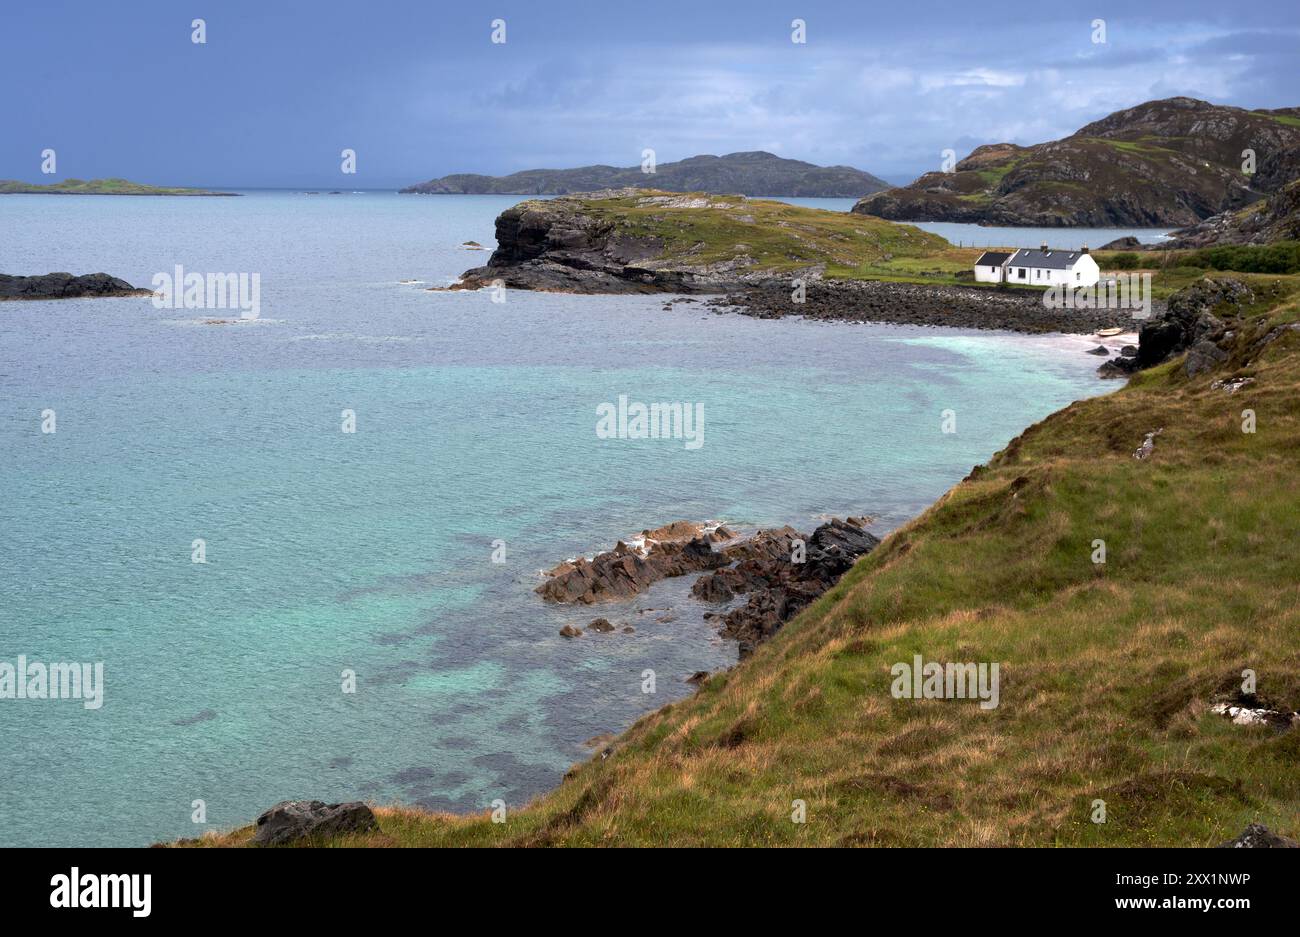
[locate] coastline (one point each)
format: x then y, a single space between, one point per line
742 635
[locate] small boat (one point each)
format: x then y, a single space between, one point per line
1107 333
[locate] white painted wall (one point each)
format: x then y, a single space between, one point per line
1084 273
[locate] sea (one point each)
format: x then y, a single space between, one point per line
300 548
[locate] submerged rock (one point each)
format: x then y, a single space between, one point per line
293 820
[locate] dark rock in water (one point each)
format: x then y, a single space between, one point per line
600 624
65 286
780 588
674 550
292 820
698 677
569 631
1118 367
1099 350
1126 243
717 587
1129 351
1258 836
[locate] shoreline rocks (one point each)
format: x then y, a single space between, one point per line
779 570
778 586
966 307
65 286
293 820
675 549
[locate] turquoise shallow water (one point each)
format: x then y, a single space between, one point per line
371 551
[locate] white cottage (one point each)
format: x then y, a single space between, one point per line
1046 266
1049 267
992 266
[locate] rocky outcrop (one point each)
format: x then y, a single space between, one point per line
1190 324
754 173
292 821
65 286
781 580
1172 162
779 570
1258 836
964 307
625 571
1276 218
565 245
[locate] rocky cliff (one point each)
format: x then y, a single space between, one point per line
1173 162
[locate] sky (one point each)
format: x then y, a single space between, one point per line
419 89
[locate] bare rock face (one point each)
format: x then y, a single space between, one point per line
1190 322
65 286
1258 836
293 820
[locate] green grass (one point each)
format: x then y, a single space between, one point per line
1284 119
775 237
1108 671
94 187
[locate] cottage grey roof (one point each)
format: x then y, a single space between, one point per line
1050 259
992 258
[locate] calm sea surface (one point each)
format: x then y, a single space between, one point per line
371 552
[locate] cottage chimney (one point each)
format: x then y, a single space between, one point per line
1043 246
1084 249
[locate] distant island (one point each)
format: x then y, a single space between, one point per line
753 173
97 187
1173 162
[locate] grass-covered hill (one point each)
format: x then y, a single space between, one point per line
627 240
1108 670
753 173
97 187
1170 162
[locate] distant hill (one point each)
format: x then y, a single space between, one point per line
1173 162
97 187
756 173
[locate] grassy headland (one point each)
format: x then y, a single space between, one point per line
1108 669
97 187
